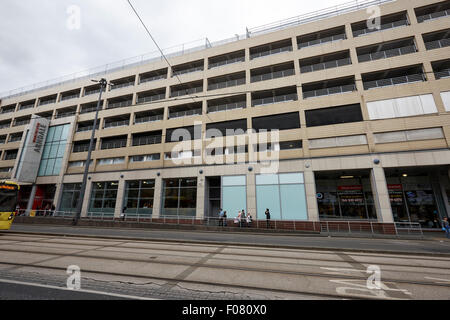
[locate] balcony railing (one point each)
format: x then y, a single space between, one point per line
326 65
88 93
114 144
185 92
190 70
394 81
273 75
15 139
5 125
88 110
73 96
151 98
227 106
154 78
387 54
270 52
43 103
28 106
226 62
86 128
122 104
275 99
442 74
114 124
329 91
187 113
386 26
5 111
226 84
437 44
65 114
159 117
432 16
122 85
147 140
21 123
321 41
81 148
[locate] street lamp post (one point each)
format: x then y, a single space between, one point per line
103 83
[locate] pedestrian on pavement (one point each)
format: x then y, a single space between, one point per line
221 217
249 220
123 215
225 219
243 218
237 220
446 227
267 218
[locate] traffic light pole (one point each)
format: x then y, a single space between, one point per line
103 83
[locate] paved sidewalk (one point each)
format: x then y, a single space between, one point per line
431 246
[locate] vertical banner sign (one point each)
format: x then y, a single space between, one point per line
32 150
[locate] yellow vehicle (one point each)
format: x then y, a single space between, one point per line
8 201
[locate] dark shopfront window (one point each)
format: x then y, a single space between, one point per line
139 197
180 197
346 199
413 199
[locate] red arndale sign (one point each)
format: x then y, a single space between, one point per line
350 188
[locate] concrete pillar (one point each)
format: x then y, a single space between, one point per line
251 194
200 197
31 200
381 196
311 196
119 200
87 197
157 198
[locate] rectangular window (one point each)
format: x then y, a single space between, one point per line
234 195
334 115
179 197
283 194
103 198
286 121
139 197
410 135
402 107
111 161
446 98
338 142
146 158
54 149
70 197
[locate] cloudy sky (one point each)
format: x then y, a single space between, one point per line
40 39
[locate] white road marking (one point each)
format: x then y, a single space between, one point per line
438 279
83 291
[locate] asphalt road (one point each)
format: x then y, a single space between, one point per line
428 246
36 267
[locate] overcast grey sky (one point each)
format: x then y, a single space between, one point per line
36 44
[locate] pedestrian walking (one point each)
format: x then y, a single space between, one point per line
243 218
446 227
249 220
225 219
221 213
237 220
123 215
267 218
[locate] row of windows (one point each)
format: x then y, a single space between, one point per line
319 37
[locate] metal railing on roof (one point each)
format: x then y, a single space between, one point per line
186 48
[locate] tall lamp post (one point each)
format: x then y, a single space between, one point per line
103 83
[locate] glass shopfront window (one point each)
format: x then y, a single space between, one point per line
139 197
283 194
414 198
345 196
179 197
234 195
70 197
103 198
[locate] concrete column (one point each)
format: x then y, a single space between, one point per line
200 197
119 199
381 196
31 200
251 194
157 198
87 197
311 196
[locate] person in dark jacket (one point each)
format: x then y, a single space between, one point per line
267 218
446 227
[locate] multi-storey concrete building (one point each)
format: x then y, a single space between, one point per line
363 114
